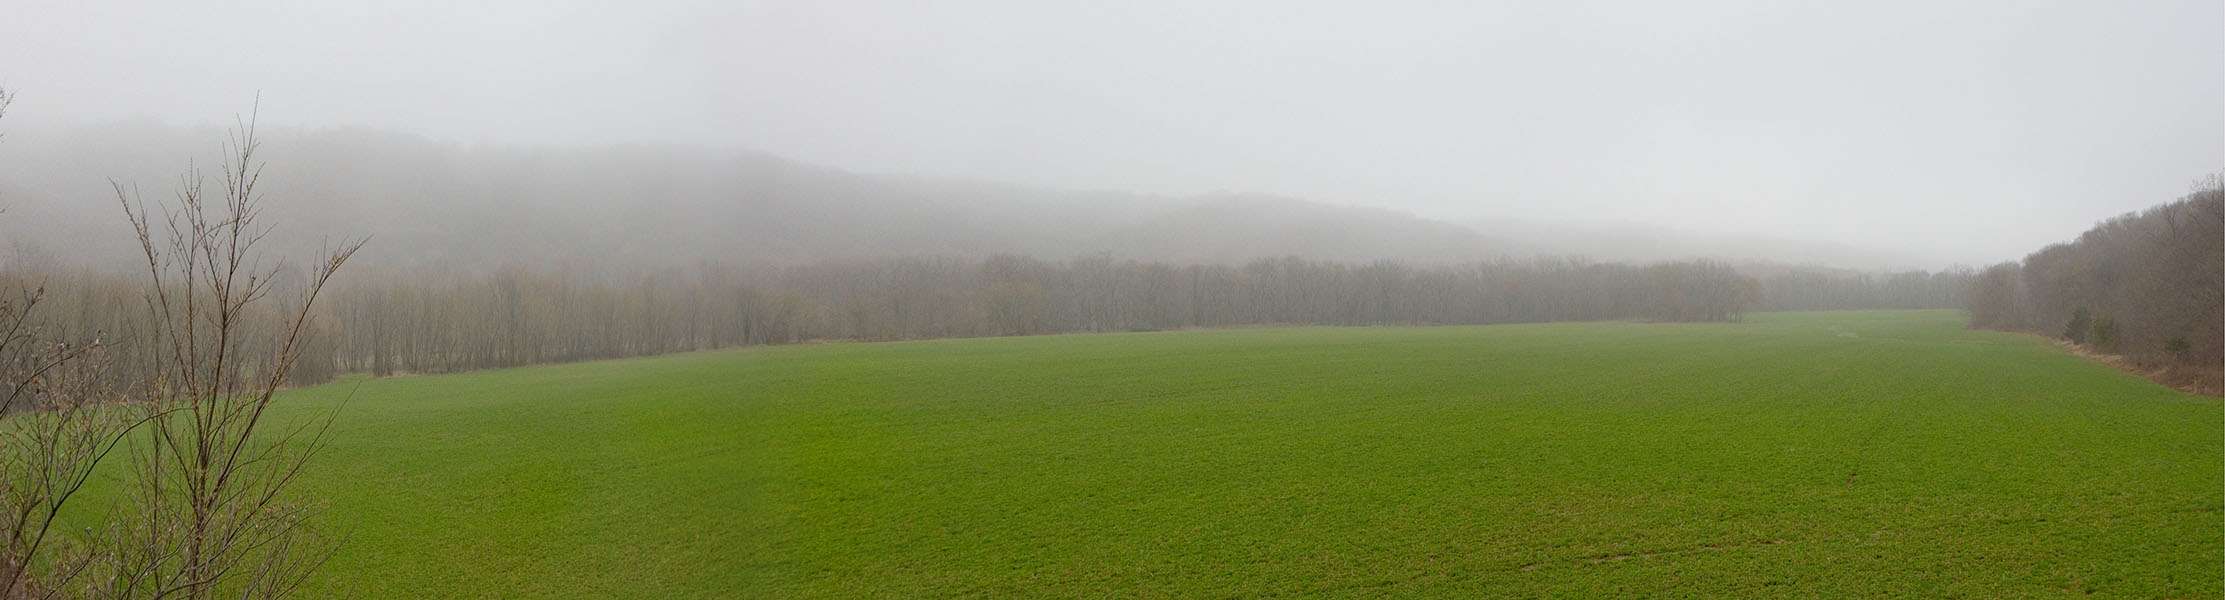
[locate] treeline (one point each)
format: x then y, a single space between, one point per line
1825 288
2149 286
389 322
408 321
517 316
110 313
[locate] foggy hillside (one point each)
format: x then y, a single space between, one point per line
451 206
430 203
1632 242
1231 229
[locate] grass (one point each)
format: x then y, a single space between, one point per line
1796 455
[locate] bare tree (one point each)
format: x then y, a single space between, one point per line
55 433
216 515
56 430
50 441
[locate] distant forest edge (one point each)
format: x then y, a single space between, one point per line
396 321
2147 286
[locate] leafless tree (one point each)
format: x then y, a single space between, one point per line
53 434
56 425
57 429
213 509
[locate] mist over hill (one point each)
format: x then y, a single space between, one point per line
1636 242
437 205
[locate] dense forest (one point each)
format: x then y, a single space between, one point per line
520 316
384 321
2149 286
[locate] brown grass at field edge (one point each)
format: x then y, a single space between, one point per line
2185 378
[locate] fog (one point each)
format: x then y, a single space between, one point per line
1877 134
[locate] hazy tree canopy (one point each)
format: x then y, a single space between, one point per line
521 316
2149 285
388 321
1823 288
408 321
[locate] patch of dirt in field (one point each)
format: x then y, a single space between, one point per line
2183 379
1835 330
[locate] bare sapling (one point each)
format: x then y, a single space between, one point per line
217 512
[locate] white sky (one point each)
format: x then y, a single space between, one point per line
1967 131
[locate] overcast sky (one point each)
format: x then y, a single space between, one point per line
1969 131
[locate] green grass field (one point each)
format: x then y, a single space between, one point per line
1796 455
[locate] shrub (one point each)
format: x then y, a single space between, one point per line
2081 323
